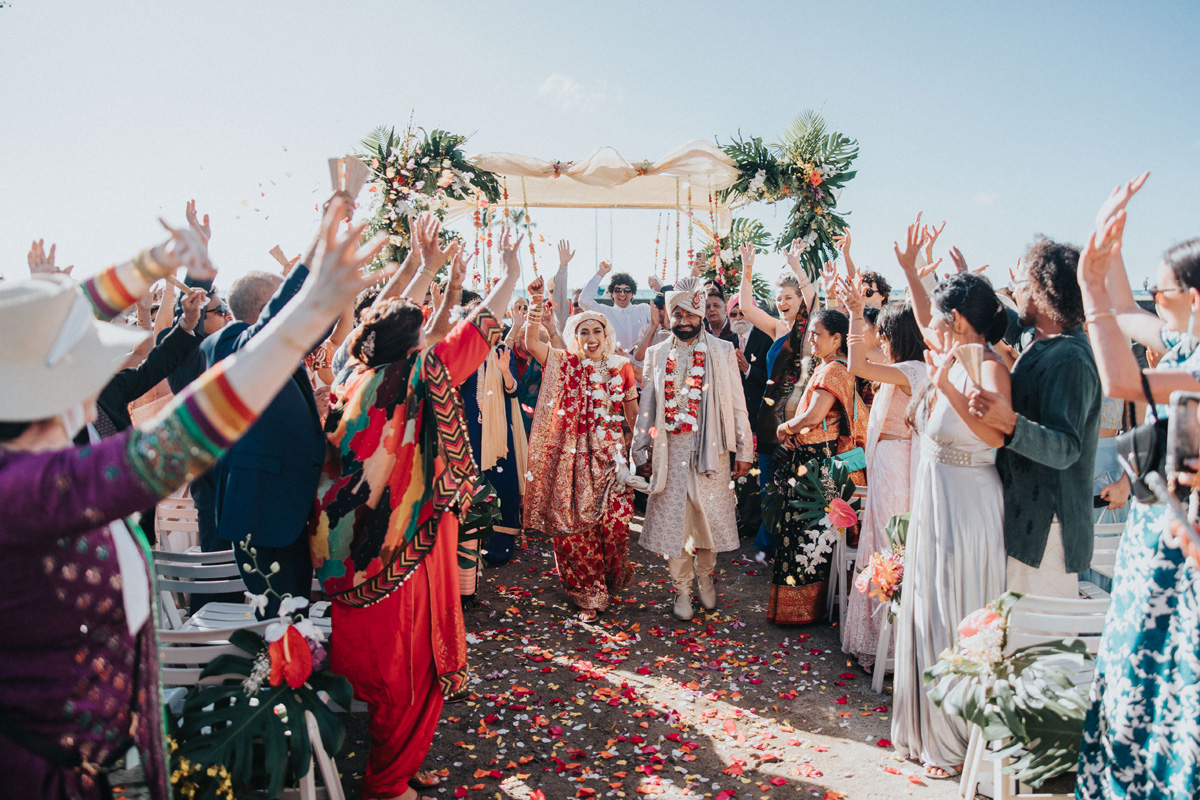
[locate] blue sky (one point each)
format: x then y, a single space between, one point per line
1007 119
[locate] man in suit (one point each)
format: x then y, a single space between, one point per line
267 482
750 348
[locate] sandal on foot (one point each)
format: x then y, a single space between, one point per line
589 615
424 779
945 772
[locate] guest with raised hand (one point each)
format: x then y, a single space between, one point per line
1149 652
629 319
794 299
59 708
955 550
576 446
385 536
892 454
1050 429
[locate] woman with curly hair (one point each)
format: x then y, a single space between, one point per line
577 442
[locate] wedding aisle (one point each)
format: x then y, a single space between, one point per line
640 704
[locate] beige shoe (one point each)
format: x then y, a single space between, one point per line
708 592
683 606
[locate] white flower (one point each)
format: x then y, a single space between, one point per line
257 601
758 183
529 476
310 631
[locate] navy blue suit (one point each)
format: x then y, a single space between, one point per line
266 484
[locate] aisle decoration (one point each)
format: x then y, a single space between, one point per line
821 497
883 576
416 172
1027 698
247 737
810 167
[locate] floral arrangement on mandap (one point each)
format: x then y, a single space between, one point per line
247 736
810 167
821 498
411 173
722 263
883 576
1028 699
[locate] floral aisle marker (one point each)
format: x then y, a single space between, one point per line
821 497
414 172
883 577
810 167
1028 699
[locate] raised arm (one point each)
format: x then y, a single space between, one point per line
533 342
498 299
760 319
440 325
859 364
807 291
426 235
908 263
995 378
559 295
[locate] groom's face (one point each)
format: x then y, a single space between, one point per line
684 324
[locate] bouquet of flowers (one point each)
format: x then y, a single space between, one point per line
821 497
882 578
1027 698
810 167
410 174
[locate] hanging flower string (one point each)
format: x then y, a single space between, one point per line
716 239
676 232
676 422
528 227
691 251
657 234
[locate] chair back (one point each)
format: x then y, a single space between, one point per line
180 575
176 522
1038 620
183 654
1104 547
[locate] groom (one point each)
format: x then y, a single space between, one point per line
691 416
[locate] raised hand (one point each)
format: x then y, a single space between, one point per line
939 373
435 293
912 247
565 253
504 356
930 234
794 252
956 258
843 244
185 249
655 283
604 268
537 287
337 277
851 294
458 268
191 303
829 277
509 251
202 229
1101 254
41 262
747 252
1116 201
929 269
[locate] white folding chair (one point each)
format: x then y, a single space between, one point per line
1036 620
841 574
882 662
176 522
181 575
1104 557
184 654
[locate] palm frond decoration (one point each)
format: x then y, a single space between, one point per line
809 166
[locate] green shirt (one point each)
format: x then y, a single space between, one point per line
1048 460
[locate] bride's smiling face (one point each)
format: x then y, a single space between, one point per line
591 337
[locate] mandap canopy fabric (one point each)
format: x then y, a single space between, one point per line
606 179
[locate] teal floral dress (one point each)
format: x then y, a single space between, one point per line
1142 734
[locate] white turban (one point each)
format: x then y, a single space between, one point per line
690 294
571 332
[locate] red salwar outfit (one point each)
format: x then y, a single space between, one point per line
571 492
385 547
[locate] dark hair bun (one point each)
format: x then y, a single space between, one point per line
999 324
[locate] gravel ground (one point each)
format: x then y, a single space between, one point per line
640 704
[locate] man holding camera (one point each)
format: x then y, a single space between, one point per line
1051 429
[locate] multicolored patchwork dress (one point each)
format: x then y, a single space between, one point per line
571 492
385 537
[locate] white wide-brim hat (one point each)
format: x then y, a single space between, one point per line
56 354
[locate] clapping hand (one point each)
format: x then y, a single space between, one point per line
655 283
41 262
912 247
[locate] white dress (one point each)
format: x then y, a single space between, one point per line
954 564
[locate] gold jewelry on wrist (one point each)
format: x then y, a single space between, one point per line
146 267
1092 316
456 287
426 271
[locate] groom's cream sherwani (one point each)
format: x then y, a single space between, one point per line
692 505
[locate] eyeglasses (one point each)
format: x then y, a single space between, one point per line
1156 290
736 314
221 309
622 290
869 292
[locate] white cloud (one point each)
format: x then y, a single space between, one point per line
570 95
985 198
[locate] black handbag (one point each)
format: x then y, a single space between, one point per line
1143 449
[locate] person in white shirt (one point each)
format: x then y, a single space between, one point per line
630 320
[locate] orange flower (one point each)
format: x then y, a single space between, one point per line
977 621
291 659
814 178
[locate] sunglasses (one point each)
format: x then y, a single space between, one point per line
869 292
735 314
1156 290
221 309
622 290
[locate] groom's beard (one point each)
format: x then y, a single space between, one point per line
686 332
